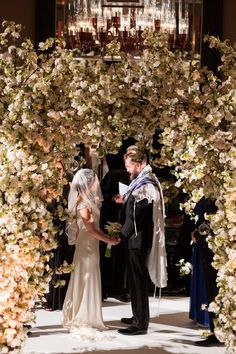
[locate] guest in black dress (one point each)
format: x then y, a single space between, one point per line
64 252
203 207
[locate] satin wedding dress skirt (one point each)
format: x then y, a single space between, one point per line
82 309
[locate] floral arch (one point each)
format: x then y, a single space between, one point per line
50 102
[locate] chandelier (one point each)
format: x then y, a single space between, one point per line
92 24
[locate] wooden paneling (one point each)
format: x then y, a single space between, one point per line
20 11
212 19
45 19
229 22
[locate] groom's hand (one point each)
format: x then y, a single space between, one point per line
118 198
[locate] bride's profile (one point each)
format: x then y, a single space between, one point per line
82 307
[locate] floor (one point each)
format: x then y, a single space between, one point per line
170 331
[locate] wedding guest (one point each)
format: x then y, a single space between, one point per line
82 307
113 273
64 252
189 251
198 295
143 232
202 230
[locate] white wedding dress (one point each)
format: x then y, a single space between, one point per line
82 309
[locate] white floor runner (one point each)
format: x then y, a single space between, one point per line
169 332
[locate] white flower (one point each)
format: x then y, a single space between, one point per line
11 155
44 166
54 115
83 84
16 35
185 268
25 198
195 114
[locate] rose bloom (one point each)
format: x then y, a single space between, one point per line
9 334
233 284
232 264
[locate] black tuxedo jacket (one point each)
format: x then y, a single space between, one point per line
137 228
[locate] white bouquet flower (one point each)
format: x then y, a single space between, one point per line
185 268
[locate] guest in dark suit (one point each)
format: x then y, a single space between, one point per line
143 231
113 272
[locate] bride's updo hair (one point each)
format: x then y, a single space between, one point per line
85 179
85 187
85 192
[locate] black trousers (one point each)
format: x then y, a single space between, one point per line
138 285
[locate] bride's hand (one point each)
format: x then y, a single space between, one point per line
113 241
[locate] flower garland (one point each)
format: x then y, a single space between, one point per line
50 102
39 133
199 141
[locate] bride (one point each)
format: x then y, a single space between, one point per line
82 307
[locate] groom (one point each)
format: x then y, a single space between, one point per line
143 230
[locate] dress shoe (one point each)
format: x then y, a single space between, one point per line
104 296
128 321
27 329
125 297
132 331
27 326
210 341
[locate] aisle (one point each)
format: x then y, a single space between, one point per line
170 332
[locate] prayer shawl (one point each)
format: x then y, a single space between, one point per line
147 186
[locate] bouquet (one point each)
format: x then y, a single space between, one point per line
113 229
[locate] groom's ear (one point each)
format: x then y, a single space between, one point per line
139 166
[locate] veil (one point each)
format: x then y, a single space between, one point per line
86 185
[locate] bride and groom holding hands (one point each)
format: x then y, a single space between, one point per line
142 232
